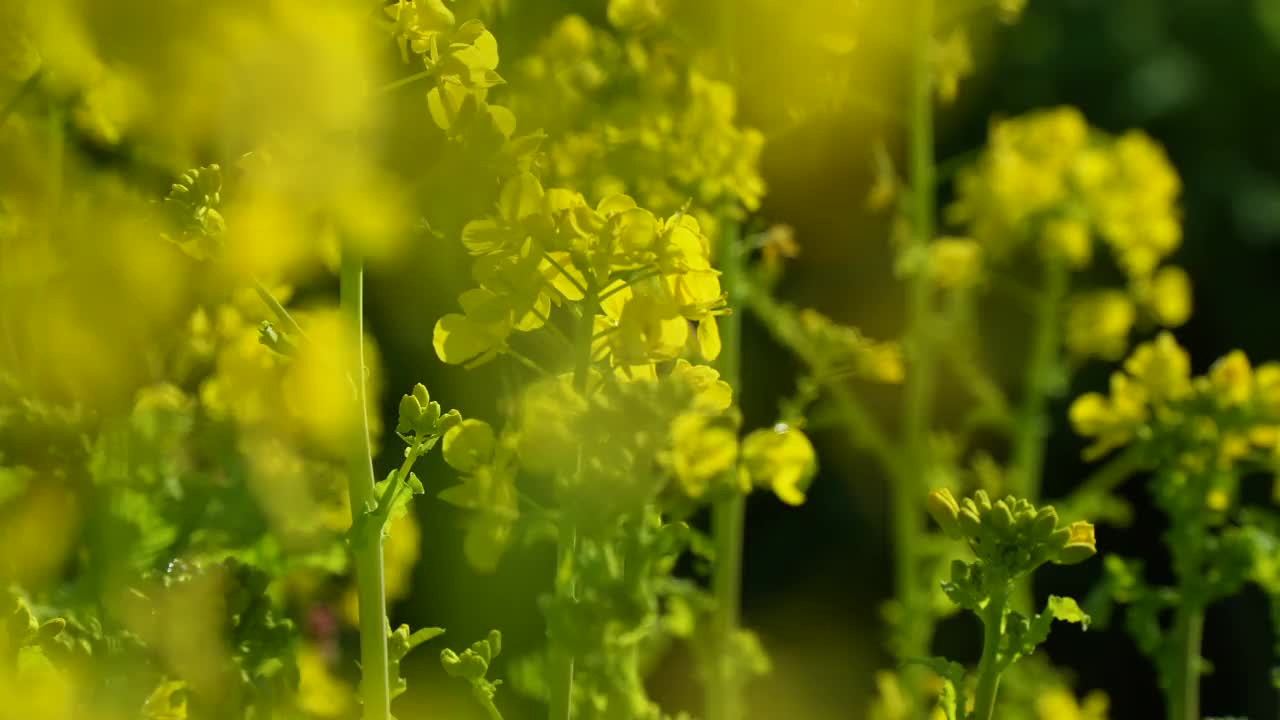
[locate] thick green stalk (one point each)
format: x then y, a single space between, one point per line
989 670
724 687
915 626
1182 697
375 685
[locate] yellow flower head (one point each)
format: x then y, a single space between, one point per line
1162 367
780 458
1232 378
955 263
1168 296
1070 239
702 449
1098 324
1080 546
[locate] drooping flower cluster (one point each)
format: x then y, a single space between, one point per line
1049 181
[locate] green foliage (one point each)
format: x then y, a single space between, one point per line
1009 538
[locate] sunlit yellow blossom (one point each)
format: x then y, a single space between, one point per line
1046 171
1081 546
1232 378
1069 238
1111 420
701 450
955 263
1217 500
1162 367
710 392
1099 323
780 458
1168 296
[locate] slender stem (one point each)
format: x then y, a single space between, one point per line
1183 693
1103 480
395 84
367 551
27 86
864 432
1186 540
916 626
989 670
392 493
562 660
728 514
527 361
565 272
1032 427
276 307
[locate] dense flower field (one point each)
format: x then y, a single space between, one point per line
317 316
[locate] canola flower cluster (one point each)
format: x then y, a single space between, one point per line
630 111
1226 419
1050 182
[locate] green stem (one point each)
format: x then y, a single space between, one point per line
728 514
864 432
492 711
1032 426
367 547
562 660
396 84
1106 478
278 309
907 493
989 670
1183 694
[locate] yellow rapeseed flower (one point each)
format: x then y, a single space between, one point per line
1162 367
955 263
1168 296
1232 378
1099 323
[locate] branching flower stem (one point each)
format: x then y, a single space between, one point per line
375 690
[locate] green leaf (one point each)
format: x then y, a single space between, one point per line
1067 610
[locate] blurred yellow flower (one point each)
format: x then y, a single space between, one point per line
1099 323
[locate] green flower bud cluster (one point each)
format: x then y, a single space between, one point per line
473 664
1011 535
193 203
421 416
